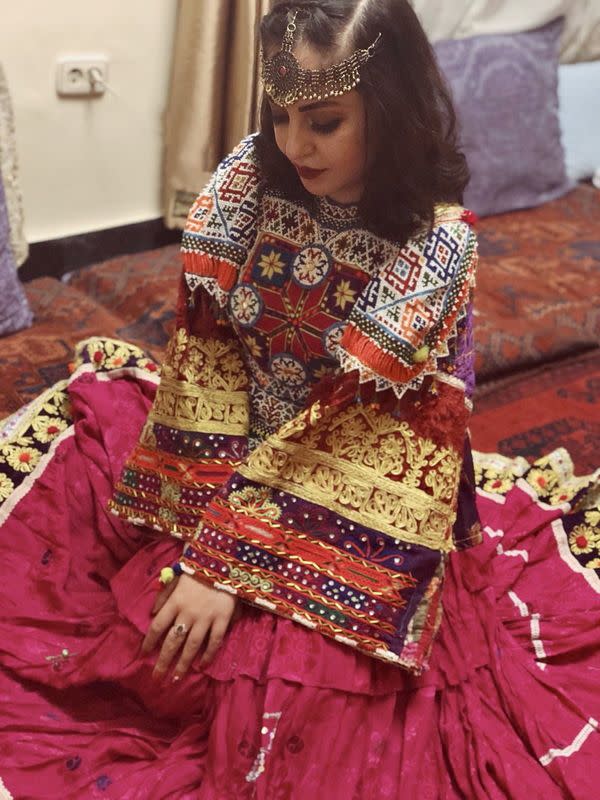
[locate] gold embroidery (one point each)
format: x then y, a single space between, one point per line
255 501
367 466
203 387
187 407
206 363
251 579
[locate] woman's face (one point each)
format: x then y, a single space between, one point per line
325 140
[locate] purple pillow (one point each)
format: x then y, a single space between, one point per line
14 309
505 94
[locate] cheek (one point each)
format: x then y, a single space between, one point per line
352 153
280 137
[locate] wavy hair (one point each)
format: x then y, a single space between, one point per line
413 158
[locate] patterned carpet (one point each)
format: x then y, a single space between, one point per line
531 414
538 274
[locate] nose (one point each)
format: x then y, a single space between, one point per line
298 142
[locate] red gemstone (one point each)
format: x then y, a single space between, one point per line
98 355
581 542
52 429
283 71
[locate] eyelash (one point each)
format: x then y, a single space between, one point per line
328 127
323 129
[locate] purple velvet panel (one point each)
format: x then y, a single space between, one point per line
505 93
14 309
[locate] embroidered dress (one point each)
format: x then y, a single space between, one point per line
338 489
310 418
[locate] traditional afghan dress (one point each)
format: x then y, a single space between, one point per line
305 449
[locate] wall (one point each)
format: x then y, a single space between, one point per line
88 164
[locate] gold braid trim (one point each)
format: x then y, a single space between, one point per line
403 513
376 473
185 406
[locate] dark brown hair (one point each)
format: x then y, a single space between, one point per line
413 159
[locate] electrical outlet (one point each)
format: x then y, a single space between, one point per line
82 76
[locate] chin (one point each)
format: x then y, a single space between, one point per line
318 192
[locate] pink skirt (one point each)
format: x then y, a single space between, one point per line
508 709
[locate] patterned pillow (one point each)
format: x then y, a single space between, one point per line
14 309
505 94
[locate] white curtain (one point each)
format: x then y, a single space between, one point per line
9 174
213 94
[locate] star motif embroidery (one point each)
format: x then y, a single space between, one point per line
344 294
271 265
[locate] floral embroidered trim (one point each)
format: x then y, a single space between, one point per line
551 478
551 481
31 437
105 355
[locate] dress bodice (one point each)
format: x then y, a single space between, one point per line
300 281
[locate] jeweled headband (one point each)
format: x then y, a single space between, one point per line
286 82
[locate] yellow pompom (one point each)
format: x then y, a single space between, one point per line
421 355
166 575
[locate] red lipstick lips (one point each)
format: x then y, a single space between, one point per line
307 173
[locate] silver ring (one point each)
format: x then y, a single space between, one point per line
180 629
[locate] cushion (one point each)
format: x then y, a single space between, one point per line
453 19
579 110
14 309
505 93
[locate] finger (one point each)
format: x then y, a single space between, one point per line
171 646
163 596
217 634
192 645
161 623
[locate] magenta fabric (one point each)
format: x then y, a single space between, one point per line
81 717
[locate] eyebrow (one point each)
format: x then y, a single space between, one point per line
310 106
319 104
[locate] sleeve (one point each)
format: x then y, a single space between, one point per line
342 520
196 432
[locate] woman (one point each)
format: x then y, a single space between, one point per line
308 441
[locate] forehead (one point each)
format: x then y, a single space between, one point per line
310 58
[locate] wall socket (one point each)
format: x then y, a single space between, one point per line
82 76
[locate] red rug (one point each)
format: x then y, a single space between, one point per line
528 415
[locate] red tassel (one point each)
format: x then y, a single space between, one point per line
469 217
368 353
209 267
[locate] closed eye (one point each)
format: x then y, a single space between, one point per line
326 127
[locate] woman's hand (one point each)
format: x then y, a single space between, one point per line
200 612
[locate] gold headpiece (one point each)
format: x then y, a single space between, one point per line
286 82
